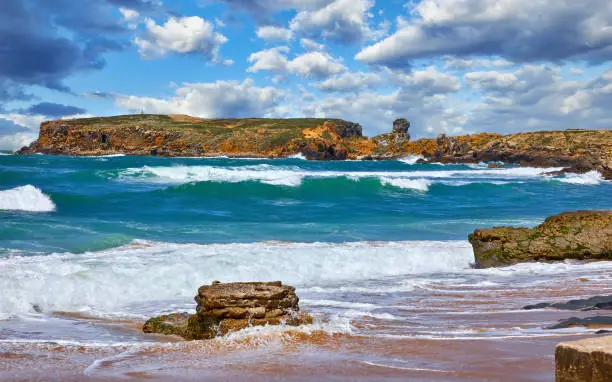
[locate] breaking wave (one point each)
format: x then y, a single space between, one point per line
144 272
25 198
293 176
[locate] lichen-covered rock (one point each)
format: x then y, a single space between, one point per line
319 139
581 235
588 360
224 308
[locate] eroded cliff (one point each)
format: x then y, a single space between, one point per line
319 139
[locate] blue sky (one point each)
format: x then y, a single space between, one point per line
450 66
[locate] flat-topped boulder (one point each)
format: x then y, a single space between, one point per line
580 235
229 307
587 360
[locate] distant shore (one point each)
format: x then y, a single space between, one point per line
577 151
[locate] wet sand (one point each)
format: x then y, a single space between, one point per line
441 332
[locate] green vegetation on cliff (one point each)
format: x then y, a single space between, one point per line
320 139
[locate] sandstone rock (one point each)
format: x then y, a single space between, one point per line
320 139
581 235
224 308
587 360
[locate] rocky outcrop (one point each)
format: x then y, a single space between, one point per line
588 360
320 139
586 304
224 308
576 150
176 135
595 322
581 235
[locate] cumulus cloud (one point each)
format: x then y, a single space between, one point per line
271 33
349 82
308 65
17 130
263 8
429 81
44 42
476 63
311 45
181 35
341 20
517 30
210 100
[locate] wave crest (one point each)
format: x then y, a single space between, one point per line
26 198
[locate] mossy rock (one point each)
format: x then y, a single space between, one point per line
580 235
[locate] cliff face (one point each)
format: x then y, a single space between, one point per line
320 139
187 136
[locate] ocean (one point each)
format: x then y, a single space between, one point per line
92 247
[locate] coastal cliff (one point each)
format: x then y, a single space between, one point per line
318 139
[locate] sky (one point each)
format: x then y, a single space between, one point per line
449 66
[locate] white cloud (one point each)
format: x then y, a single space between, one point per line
349 82
272 33
130 16
315 64
491 80
518 30
30 125
430 81
342 20
311 45
181 35
273 59
210 100
16 141
308 65
472 64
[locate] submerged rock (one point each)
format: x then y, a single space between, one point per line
580 235
224 308
595 322
593 303
585 360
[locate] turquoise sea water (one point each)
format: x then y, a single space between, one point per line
377 251
101 203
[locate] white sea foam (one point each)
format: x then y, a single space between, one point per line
591 178
26 198
146 272
413 184
411 159
293 175
298 156
104 156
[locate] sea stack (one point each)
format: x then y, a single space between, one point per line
229 307
579 235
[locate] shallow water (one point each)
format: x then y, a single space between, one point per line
91 247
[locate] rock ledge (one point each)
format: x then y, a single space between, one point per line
229 307
587 360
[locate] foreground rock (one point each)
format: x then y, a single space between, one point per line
580 235
592 303
224 308
587 360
